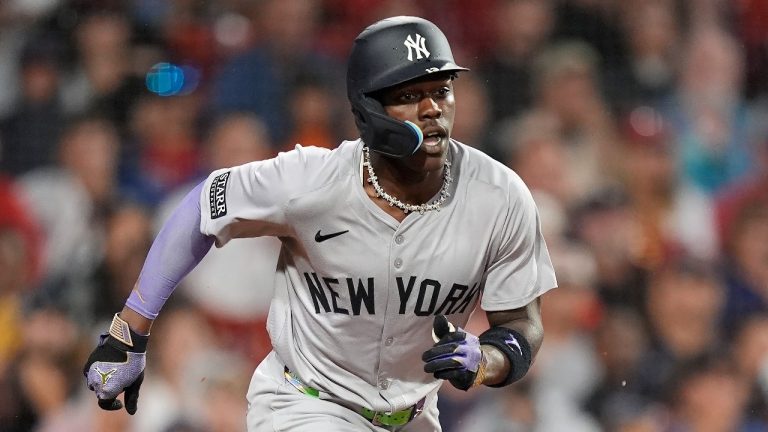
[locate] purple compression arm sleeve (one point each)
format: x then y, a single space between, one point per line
177 249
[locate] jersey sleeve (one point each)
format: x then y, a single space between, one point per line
521 269
250 200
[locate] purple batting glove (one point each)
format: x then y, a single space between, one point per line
456 357
115 367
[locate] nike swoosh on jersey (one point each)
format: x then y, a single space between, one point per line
321 238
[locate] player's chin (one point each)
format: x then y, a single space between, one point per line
430 156
435 148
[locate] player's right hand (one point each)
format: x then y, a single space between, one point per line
456 355
116 365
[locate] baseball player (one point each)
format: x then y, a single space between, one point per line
389 242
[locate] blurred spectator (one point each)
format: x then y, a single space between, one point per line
713 127
16 411
504 410
232 286
49 330
595 23
127 240
750 190
342 20
522 28
620 343
103 81
472 121
43 374
88 150
188 31
560 389
742 223
604 224
20 24
12 39
12 256
71 201
708 13
532 145
469 24
753 31
81 414
19 271
260 80
566 85
236 139
750 351
29 135
28 11
653 42
46 382
746 272
164 150
166 395
554 219
708 395
314 124
683 307
150 15
671 216
16 217
218 380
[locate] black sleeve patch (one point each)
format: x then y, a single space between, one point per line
217 195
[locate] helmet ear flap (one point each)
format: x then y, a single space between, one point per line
382 133
364 124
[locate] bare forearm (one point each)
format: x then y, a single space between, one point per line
496 365
529 326
136 321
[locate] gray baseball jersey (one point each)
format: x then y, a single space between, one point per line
356 291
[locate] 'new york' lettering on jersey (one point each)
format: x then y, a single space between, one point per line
218 197
329 296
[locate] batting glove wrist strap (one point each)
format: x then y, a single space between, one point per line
514 346
126 338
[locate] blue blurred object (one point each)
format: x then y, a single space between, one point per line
191 76
165 79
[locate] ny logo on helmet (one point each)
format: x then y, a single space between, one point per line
417 45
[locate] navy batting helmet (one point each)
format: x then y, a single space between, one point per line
390 52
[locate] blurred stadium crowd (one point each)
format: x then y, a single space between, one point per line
640 127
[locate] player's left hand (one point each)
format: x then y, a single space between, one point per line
455 357
113 368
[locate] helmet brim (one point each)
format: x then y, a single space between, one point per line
408 73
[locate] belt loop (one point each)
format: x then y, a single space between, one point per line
418 408
295 381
